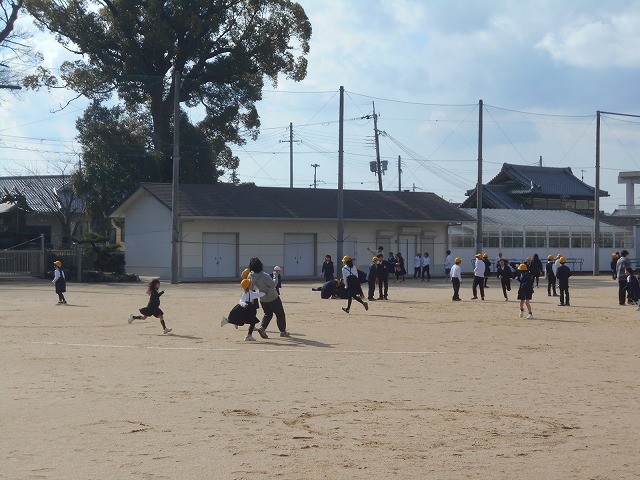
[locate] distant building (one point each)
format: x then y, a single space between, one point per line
222 226
538 188
39 204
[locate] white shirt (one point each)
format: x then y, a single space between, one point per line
447 262
456 272
478 270
346 271
417 261
249 296
556 264
426 261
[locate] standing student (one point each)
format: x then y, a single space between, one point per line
153 307
327 269
372 278
525 291
417 265
426 267
551 276
351 280
478 277
487 268
60 282
456 279
621 267
562 274
271 302
448 263
505 274
245 311
535 268
614 261
277 277
400 269
383 277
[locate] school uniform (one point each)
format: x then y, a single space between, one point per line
551 279
478 278
371 280
505 274
328 270
456 279
633 287
153 307
621 267
329 289
245 312
525 291
562 274
383 280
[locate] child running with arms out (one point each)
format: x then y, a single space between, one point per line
153 307
245 311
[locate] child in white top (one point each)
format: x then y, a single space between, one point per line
245 311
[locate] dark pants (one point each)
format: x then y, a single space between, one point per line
506 286
372 289
456 288
416 272
564 293
622 291
478 282
551 284
425 270
271 308
383 287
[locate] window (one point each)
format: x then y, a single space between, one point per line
581 240
491 239
461 237
536 239
558 239
606 240
512 239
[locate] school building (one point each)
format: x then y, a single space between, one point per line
519 234
222 226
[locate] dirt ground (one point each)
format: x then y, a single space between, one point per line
417 387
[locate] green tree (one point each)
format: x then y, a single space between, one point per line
115 157
223 49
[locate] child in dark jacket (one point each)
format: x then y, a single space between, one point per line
525 291
562 274
633 286
505 274
153 307
372 278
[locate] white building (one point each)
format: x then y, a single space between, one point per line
222 226
519 234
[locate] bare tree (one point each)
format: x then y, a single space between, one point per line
16 55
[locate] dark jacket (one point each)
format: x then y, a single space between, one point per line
506 273
536 267
562 274
327 270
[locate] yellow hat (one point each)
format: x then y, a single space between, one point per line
478 255
245 283
346 259
375 259
559 255
458 260
485 255
57 263
563 260
529 259
245 273
550 257
522 266
614 254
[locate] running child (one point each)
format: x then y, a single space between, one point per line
245 311
525 292
153 307
351 280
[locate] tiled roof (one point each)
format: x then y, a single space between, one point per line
532 218
248 201
41 192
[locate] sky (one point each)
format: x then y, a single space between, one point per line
541 68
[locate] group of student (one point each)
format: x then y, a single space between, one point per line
527 274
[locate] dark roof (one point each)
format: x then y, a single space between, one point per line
43 193
249 201
521 180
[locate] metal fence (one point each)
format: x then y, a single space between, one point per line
21 262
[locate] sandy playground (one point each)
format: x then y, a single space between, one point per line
418 387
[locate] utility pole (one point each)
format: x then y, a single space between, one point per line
596 211
340 215
540 161
399 174
290 142
315 169
377 140
479 186
175 220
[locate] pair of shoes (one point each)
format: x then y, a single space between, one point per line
60 302
371 299
561 304
506 299
556 295
223 322
530 316
167 330
455 299
548 294
285 334
386 298
131 319
261 331
567 304
366 307
482 298
521 313
474 298
249 338
345 309
64 302
380 298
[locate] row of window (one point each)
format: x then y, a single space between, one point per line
540 240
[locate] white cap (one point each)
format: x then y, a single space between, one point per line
276 268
